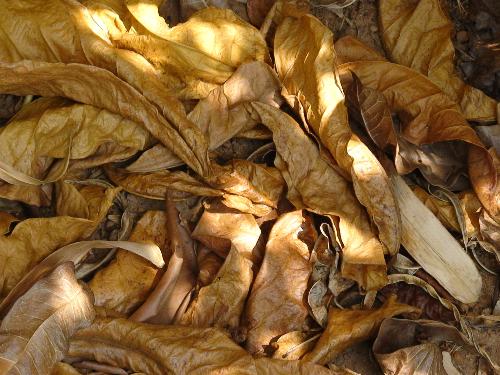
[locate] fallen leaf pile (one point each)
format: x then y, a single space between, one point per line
242 192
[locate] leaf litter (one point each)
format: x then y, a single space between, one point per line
181 192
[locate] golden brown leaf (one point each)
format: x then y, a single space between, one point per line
221 303
159 350
293 345
62 368
35 334
34 239
313 184
348 327
349 49
209 264
127 280
303 48
223 114
418 35
429 116
6 221
276 303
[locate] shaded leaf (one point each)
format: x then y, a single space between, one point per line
221 303
315 185
34 239
303 48
159 350
412 347
418 35
348 327
35 334
6 221
428 116
276 302
125 282
349 49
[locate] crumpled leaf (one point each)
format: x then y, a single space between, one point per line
221 303
349 49
35 334
223 114
6 221
418 35
428 116
315 185
209 264
62 368
28 141
159 350
348 327
490 136
124 284
293 345
490 232
258 9
412 347
34 239
166 304
276 302
303 48
446 214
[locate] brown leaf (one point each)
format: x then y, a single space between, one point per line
303 48
258 9
418 35
209 264
178 280
6 221
62 368
313 184
221 303
34 239
35 334
293 345
428 116
276 302
412 347
159 350
125 283
348 327
349 49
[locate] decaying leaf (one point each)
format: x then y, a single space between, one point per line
418 35
303 49
35 334
434 248
159 350
412 347
221 303
178 281
126 281
348 327
223 114
276 302
315 185
428 116
33 239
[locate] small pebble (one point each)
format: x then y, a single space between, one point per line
462 36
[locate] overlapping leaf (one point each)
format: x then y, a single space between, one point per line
418 35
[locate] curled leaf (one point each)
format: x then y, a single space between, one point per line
35 334
313 184
304 49
125 282
348 327
418 35
221 303
276 302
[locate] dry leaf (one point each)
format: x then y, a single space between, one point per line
348 327
178 280
303 48
276 302
293 345
418 35
209 264
125 283
446 213
349 49
34 239
428 116
35 334
221 303
223 114
62 368
315 185
159 350
6 221
412 347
